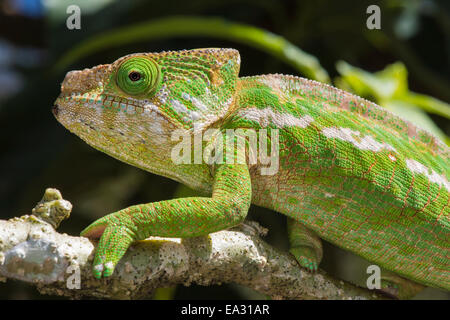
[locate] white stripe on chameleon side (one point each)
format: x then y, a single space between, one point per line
363 143
267 116
369 143
432 176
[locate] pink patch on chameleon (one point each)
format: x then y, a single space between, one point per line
95 232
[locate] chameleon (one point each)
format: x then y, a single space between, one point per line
348 171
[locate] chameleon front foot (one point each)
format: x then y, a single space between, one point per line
115 239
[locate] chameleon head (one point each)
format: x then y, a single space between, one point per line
129 108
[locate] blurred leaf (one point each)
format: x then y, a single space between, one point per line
180 26
368 84
386 84
433 80
389 88
429 104
415 115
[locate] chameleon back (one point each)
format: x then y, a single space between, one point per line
354 173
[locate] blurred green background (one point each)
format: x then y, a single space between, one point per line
404 66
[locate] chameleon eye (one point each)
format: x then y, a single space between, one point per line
138 76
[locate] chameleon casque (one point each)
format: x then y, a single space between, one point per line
350 172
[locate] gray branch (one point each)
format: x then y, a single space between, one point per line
58 264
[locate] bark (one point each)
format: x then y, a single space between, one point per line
59 264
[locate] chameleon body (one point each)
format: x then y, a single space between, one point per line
349 171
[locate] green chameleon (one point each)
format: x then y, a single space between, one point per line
347 170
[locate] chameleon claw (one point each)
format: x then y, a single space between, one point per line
109 269
97 271
103 270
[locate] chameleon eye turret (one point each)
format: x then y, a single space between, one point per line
138 76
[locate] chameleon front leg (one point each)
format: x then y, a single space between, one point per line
306 246
184 217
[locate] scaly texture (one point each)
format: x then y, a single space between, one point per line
349 171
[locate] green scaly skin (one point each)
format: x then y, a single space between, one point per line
349 171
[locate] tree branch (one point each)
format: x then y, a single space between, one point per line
32 251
